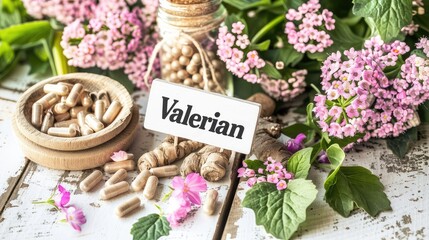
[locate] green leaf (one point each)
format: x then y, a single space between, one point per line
288 55
255 164
401 144
299 163
336 156
246 4
346 140
26 34
280 212
6 55
260 46
271 71
389 15
8 18
293 130
356 185
151 227
123 79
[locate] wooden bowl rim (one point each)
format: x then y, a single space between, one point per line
81 142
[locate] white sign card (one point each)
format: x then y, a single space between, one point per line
202 116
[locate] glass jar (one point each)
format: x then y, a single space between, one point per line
188 30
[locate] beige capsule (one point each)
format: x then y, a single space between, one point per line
130 156
65 123
76 127
93 122
210 201
111 113
58 89
119 176
62 132
62 117
48 121
37 114
75 110
127 206
86 100
86 130
150 188
99 109
81 118
140 181
60 108
103 95
165 171
91 181
112 167
114 190
74 95
48 100
68 85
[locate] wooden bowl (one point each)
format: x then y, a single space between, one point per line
79 160
91 82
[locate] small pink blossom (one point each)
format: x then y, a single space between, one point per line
189 188
281 185
119 156
237 27
63 198
75 217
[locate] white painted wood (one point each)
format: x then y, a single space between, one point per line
23 220
407 186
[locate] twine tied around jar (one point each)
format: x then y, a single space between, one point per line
204 62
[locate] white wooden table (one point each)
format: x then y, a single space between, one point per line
21 182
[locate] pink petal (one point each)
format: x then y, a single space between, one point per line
196 183
119 156
61 189
194 197
178 183
65 198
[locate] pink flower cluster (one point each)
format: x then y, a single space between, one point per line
285 90
358 97
64 11
185 195
136 67
306 27
273 172
424 45
233 50
410 29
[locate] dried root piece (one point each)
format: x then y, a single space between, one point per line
167 152
208 161
265 143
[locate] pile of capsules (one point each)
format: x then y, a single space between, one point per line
146 180
68 110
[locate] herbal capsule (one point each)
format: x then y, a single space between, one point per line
74 95
48 121
119 175
114 190
140 181
48 100
103 95
112 167
91 181
86 100
76 127
150 188
86 130
68 85
61 90
127 206
37 114
75 110
61 108
66 123
93 122
210 202
62 117
165 171
99 109
81 118
111 113
62 132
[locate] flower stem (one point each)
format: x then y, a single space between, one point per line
267 28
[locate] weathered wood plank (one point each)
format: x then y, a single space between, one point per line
407 186
23 220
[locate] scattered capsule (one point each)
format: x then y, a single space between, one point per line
75 110
114 190
99 109
48 100
150 188
86 130
112 112
61 90
210 202
165 171
60 108
91 181
112 167
130 156
93 122
127 206
37 114
85 99
119 176
48 121
140 181
66 123
74 95
62 117
62 132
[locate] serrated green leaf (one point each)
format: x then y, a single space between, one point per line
356 185
401 144
280 212
8 15
246 4
26 34
151 227
255 164
299 163
389 15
